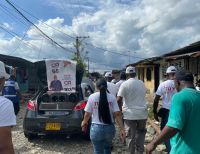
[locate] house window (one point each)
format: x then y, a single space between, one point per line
148 74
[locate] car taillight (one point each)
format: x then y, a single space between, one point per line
31 105
80 106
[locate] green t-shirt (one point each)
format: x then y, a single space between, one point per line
185 116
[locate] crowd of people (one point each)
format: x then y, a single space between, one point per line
124 102
179 124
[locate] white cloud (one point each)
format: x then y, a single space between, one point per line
6 26
149 28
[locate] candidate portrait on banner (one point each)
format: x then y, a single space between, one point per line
61 75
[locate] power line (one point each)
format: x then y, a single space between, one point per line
21 40
103 64
33 16
18 38
45 35
17 46
105 50
7 11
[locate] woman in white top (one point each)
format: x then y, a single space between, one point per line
103 108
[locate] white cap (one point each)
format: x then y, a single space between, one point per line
3 71
171 69
130 69
108 74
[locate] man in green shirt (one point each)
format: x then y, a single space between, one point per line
183 126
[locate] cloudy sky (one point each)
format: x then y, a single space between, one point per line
120 31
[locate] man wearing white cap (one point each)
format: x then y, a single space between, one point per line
112 88
134 110
7 116
165 90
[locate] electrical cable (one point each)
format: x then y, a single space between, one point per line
18 38
105 50
7 11
45 35
33 16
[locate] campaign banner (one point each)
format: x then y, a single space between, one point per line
61 75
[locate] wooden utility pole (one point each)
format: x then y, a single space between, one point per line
77 45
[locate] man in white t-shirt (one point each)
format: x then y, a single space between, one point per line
134 110
7 117
112 88
165 90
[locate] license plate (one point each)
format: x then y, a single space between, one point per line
53 126
57 113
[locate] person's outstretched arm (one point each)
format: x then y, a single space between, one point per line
118 117
165 135
155 106
6 145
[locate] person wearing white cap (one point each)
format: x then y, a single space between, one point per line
183 125
134 110
165 90
7 116
112 88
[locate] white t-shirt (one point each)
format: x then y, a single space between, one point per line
197 88
92 106
16 85
7 115
112 88
118 84
134 106
166 90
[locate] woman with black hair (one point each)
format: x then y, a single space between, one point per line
103 108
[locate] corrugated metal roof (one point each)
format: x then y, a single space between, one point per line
193 54
146 61
188 49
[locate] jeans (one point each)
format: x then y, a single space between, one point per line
101 137
164 120
135 135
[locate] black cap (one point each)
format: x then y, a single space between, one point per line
184 75
101 83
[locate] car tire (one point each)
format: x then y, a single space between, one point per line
30 136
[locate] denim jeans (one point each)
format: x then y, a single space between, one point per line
164 120
101 137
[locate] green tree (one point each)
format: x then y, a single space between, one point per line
81 64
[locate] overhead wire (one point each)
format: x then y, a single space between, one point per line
74 37
103 64
19 45
7 11
44 34
33 16
105 50
19 39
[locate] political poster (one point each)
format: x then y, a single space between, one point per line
61 75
